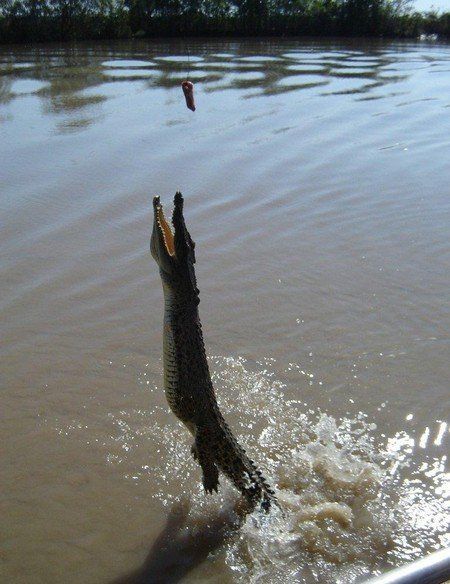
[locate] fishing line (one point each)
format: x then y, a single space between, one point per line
187 86
189 62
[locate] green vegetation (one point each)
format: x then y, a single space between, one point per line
45 20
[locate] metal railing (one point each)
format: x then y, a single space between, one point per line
432 569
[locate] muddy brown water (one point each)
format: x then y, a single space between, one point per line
316 177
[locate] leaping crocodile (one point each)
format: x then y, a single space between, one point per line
187 380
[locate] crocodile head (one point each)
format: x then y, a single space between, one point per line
172 248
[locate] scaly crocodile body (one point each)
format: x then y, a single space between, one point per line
187 381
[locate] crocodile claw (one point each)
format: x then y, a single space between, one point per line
211 484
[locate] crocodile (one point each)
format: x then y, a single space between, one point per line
187 380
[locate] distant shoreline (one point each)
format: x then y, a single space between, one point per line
27 22
430 37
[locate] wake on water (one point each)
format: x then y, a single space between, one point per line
349 510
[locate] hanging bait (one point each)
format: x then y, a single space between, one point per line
188 90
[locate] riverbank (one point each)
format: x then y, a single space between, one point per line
36 21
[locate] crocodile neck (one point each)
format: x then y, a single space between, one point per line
180 303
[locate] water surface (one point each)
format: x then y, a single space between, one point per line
316 183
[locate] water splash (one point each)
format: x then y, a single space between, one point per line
353 506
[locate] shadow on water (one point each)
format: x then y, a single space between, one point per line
184 543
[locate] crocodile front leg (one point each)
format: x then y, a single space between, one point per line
201 452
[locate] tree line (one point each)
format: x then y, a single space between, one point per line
48 20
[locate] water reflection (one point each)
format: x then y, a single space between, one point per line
61 77
5 89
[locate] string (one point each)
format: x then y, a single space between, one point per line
189 62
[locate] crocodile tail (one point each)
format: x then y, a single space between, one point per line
260 490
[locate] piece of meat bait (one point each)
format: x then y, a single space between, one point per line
188 90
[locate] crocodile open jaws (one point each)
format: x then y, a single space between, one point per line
187 381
